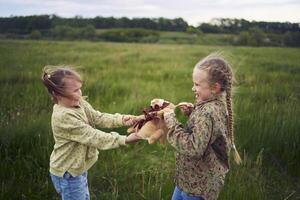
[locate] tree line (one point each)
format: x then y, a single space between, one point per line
26 24
123 29
227 25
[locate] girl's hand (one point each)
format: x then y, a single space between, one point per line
130 120
132 138
169 109
186 108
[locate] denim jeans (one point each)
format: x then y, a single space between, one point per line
71 188
181 195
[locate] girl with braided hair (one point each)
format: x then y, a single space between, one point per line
203 145
77 140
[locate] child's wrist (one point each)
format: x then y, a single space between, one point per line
124 119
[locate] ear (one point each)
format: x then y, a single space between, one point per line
216 88
56 96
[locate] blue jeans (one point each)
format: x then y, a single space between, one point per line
181 195
71 188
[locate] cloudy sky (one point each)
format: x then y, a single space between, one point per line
193 11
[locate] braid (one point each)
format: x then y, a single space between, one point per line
237 157
229 77
230 115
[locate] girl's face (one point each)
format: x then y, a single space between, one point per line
201 86
73 89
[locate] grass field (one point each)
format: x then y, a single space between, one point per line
123 78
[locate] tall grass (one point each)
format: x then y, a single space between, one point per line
120 77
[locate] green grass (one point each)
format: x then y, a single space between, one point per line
120 77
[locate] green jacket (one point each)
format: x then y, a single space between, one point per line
77 140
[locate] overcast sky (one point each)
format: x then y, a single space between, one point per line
193 11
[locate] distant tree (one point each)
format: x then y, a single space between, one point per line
244 38
61 32
276 39
252 37
110 22
179 25
35 22
123 22
257 37
292 39
79 22
24 25
227 25
88 32
193 30
99 22
130 35
143 23
164 24
35 35
209 28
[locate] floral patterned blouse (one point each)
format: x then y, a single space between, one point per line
202 148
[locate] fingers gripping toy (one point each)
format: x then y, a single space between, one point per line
151 125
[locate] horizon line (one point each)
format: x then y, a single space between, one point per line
89 17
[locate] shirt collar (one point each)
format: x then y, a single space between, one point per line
216 97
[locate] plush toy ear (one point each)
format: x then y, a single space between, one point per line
155 107
156 102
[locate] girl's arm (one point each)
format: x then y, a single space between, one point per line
104 120
71 126
193 142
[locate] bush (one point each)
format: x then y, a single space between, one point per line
244 38
35 35
193 30
275 39
252 37
88 32
292 39
130 35
60 32
67 32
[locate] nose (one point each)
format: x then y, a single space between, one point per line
193 88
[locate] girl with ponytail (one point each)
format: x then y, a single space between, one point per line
75 126
204 144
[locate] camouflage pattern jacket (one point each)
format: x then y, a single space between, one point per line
202 148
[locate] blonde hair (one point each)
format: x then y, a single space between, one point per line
53 78
220 71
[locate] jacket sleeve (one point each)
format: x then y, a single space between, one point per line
191 142
70 126
104 120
